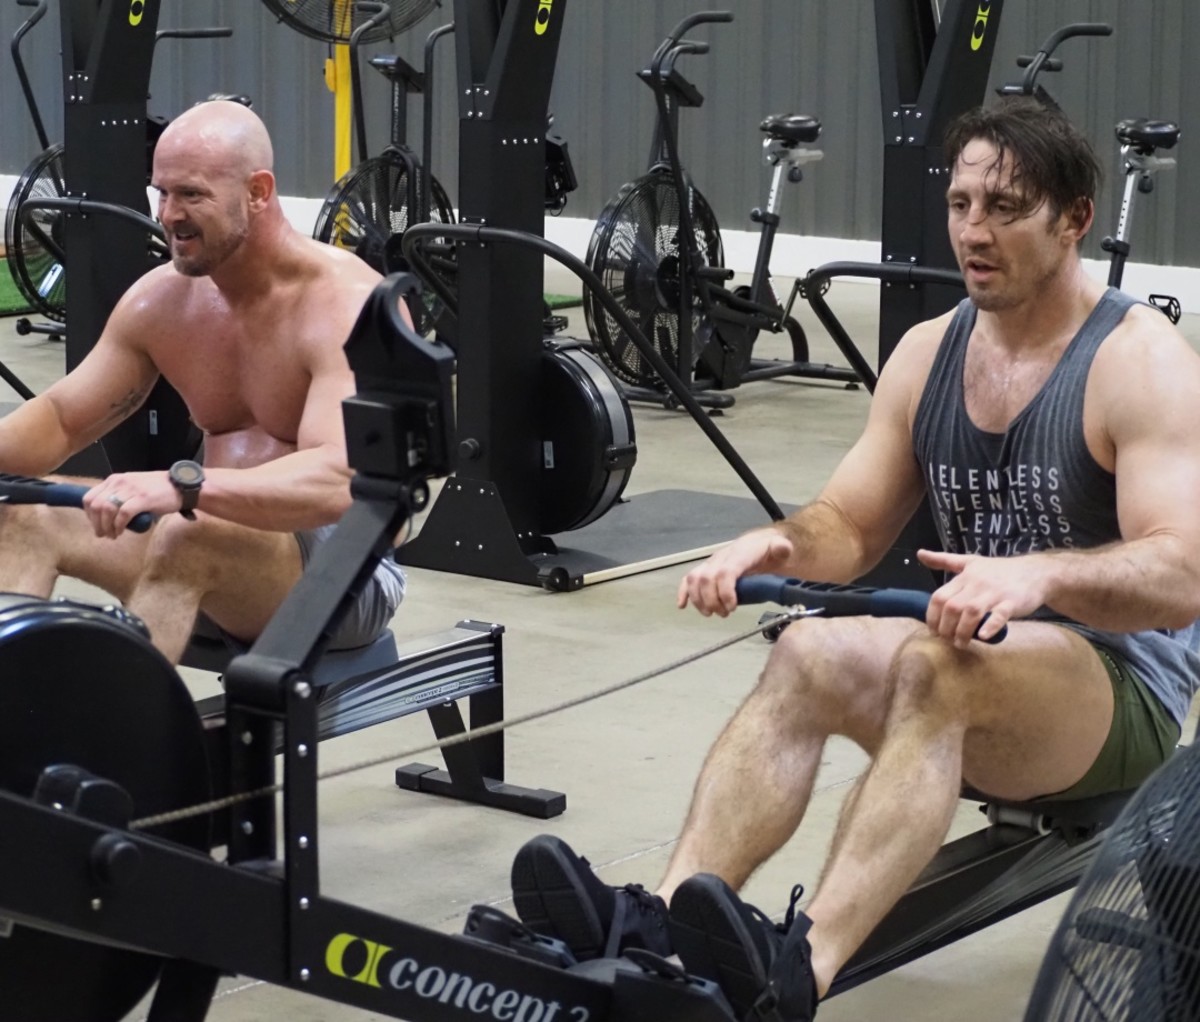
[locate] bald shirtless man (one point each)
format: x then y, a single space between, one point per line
247 323
1053 426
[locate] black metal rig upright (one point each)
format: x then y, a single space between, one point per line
928 75
107 50
486 519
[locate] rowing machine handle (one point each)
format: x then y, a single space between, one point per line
71 495
840 602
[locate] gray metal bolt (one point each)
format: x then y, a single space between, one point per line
303 904
303 842
302 689
302 751
304 975
247 827
97 904
247 737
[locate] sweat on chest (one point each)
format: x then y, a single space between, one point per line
238 392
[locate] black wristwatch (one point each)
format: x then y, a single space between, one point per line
187 477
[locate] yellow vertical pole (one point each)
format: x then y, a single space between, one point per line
337 80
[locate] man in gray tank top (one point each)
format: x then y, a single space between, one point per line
1053 426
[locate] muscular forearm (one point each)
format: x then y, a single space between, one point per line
302 490
825 545
1153 582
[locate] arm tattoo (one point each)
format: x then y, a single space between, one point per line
126 406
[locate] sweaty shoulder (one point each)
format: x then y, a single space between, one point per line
341 267
1142 369
903 377
151 305
1145 349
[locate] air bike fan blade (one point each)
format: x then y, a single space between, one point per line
369 206
635 250
29 242
1128 946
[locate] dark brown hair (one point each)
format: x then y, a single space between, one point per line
1049 159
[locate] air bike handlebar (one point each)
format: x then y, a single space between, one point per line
839 601
671 45
690 22
1042 60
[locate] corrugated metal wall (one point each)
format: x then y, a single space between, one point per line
812 56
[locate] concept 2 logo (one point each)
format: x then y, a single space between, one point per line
981 23
136 9
377 965
541 20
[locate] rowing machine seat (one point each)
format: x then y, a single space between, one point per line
211 653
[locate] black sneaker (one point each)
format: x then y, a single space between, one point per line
763 968
557 894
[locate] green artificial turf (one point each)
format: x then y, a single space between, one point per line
11 300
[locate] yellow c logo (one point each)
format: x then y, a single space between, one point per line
136 9
979 30
541 20
366 960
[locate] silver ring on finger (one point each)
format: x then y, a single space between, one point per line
114 500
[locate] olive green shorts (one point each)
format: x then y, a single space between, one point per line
1142 737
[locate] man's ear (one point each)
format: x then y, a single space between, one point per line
1079 219
262 189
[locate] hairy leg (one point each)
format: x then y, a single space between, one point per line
822 678
1017 720
237 576
39 543
844 817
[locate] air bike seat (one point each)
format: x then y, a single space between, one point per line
793 128
1145 136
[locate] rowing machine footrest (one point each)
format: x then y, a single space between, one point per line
489 925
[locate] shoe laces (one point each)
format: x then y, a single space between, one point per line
645 902
790 916
769 924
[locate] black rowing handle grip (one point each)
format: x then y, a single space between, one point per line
71 495
787 592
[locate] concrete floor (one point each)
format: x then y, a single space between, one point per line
626 762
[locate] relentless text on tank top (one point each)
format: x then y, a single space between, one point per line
1036 486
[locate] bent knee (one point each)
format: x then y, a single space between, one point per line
838 669
206 548
930 674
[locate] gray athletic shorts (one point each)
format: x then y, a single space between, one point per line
368 616
376 604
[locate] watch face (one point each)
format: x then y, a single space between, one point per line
187 473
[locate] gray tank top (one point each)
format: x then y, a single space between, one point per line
1037 487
